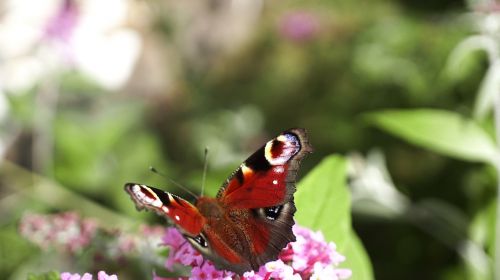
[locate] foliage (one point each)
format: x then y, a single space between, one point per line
441 131
101 90
53 275
323 203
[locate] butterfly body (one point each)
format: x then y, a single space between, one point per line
250 220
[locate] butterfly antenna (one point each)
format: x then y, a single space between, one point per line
205 167
154 170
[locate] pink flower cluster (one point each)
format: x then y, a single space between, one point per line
310 257
121 244
65 230
100 276
68 232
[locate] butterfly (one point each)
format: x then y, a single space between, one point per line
250 220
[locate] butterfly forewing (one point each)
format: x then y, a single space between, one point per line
182 213
267 177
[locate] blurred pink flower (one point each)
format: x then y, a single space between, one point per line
40 38
61 27
68 232
310 256
100 276
64 230
299 26
62 24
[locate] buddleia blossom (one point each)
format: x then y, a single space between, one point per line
66 231
69 233
310 257
87 276
311 251
181 252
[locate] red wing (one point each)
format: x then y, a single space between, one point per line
267 178
270 230
184 214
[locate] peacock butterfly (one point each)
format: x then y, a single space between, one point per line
250 220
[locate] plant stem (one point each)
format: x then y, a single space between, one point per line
496 257
43 130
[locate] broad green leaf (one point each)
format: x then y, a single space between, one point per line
323 203
357 259
441 131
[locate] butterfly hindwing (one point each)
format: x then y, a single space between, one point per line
263 187
182 213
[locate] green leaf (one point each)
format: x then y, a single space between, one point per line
488 90
323 203
482 234
357 259
52 275
14 249
52 194
461 56
440 131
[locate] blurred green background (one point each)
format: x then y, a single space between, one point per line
92 93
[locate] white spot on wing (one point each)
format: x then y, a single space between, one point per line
275 182
139 193
279 169
157 203
177 217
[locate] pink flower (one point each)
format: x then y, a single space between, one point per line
66 231
278 270
328 272
180 250
173 238
103 276
299 26
208 272
310 249
76 276
100 276
309 257
61 26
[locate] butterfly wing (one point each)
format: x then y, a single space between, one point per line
262 188
182 213
267 177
